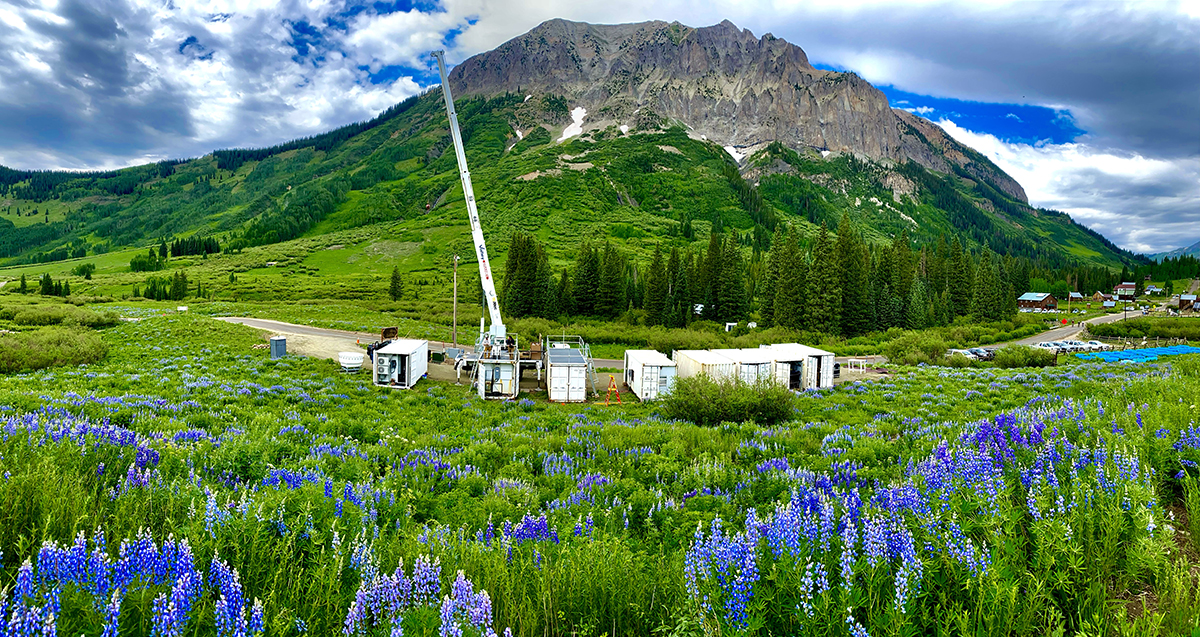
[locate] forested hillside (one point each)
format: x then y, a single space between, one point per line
653 182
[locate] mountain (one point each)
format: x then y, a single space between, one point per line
1192 250
573 132
723 83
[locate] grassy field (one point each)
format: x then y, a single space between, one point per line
199 486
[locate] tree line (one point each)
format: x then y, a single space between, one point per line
835 283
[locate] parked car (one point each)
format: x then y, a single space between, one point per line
1076 346
1048 346
965 352
1098 346
982 354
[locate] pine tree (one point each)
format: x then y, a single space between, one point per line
823 309
162 249
566 300
656 289
770 287
710 278
587 280
546 290
853 267
66 288
793 275
610 295
24 289
732 289
396 289
917 317
961 282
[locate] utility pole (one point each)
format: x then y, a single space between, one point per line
454 329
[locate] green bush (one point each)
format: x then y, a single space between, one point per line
29 351
43 315
914 348
708 402
1024 356
957 360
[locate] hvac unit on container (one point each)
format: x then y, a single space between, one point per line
696 362
800 366
400 363
754 364
649 373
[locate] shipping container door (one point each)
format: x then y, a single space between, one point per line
558 383
649 382
666 380
577 388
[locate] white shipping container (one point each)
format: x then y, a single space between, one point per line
694 362
566 370
754 364
649 373
802 366
401 363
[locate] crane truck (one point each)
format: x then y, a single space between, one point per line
495 363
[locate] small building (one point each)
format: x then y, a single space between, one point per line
695 362
1187 302
649 373
754 364
1032 300
1125 288
1075 297
1102 297
401 363
1153 289
799 366
566 374
1110 304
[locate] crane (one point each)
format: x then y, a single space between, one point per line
497 369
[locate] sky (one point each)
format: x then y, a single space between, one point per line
1094 107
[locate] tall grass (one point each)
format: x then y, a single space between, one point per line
50 347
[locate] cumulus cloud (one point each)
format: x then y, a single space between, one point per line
107 83
1140 203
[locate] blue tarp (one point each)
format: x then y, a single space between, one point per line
1140 355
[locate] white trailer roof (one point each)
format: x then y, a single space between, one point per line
705 357
747 356
795 350
565 356
650 357
402 346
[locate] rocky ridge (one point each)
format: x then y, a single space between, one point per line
723 83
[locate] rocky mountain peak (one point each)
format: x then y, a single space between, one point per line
722 82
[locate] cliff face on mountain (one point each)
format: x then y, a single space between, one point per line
723 83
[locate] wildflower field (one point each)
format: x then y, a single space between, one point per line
187 485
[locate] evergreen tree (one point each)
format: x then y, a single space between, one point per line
610 295
823 309
917 317
793 275
396 289
732 288
656 289
766 308
162 249
854 270
545 290
586 283
66 288
566 300
46 285
24 289
710 278
959 281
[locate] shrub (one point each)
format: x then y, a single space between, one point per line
708 402
29 351
957 360
914 348
1024 356
43 315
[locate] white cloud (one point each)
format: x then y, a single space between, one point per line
1140 203
919 110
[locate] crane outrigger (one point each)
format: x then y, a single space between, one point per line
496 360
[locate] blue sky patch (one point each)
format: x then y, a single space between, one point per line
1015 123
388 74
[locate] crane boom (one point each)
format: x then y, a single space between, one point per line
485 267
